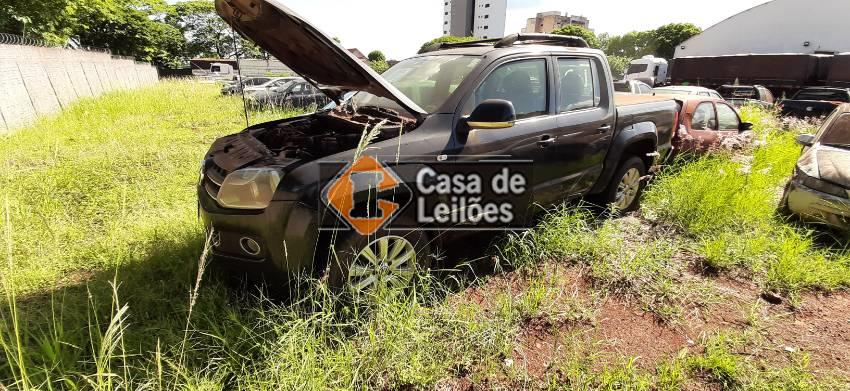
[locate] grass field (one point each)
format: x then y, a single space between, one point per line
102 246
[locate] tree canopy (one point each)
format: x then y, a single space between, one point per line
150 30
670 36
376 55
581 32
444 39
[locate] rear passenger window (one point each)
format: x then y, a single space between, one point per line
579 84
704 118
523 83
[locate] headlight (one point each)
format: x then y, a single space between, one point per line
250 188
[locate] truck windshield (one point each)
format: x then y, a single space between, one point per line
822 95
428 81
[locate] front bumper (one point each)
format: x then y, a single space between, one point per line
286 232
815 206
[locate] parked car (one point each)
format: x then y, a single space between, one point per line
469 102
632 87
706 124
747 95
294 94
819 190
236 87
274 82
814 101
687 90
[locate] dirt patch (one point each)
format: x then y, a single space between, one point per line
615 327
819 328
627 332
619 330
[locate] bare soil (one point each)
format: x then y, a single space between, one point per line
620 330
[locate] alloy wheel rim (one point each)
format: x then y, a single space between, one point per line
627 189
387 262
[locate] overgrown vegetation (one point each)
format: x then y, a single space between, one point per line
103 249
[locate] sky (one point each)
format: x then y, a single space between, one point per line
399 27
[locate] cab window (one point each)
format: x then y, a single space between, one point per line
579 84
704 118
523 83
727 117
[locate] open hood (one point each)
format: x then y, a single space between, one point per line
307 51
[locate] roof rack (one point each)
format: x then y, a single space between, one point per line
517 39
542 39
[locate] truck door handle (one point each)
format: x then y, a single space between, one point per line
604 128
546 141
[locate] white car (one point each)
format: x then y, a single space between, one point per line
687 90
632 87
273 83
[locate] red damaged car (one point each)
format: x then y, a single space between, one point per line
707 124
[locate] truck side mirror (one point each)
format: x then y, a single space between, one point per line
492 114
806 140
745 126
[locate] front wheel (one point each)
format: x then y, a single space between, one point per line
625 189
380 262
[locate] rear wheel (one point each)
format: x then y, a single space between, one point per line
625 189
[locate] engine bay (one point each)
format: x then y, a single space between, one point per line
306 139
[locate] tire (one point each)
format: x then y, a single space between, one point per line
783 209
626 187
382 265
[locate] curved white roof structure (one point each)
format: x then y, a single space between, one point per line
778 26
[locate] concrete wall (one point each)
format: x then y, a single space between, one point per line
36 81
779 26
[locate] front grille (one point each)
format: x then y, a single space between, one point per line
213 179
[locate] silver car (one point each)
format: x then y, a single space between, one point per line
819 190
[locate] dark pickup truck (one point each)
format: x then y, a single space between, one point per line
815 101
542 100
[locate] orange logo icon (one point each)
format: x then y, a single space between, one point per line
369 177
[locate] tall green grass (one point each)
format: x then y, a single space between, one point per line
727 204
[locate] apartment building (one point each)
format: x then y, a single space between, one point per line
547 22
482 19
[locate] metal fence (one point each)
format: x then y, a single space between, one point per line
12 39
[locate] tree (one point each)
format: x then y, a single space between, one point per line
444 39
377 55
619 65
670 36
379 66
633 44
208 35
581 32
128 27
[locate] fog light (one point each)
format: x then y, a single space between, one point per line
250 246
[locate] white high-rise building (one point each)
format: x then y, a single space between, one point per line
482 19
